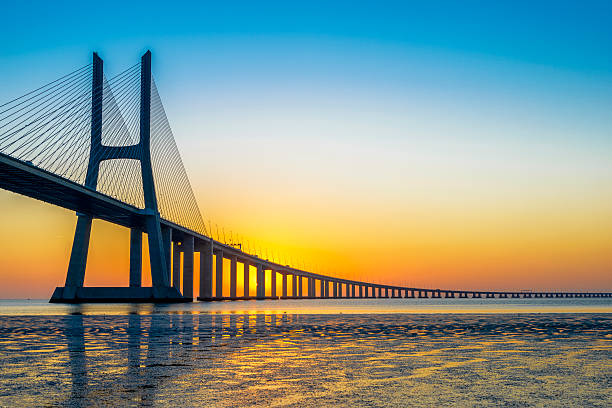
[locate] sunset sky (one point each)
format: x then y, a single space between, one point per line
462 145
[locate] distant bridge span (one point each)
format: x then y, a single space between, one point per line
67 144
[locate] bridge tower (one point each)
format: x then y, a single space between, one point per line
74 291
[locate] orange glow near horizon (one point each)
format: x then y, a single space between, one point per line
474 251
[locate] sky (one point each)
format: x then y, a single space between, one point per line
441 144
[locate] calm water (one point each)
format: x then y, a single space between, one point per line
391 352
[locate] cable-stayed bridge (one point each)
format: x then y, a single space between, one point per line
103 147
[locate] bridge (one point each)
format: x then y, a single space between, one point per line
104 149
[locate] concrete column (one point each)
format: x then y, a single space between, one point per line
167 241
300 286
135 258
176 265
352 290
247 292
152 220
219 275
360 291
188 266
261 282
273 283
311 287
206 271
321 288
233 276
335 289
284 285
294 288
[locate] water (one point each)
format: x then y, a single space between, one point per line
390 352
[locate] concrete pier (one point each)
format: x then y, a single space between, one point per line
247 280
135 258
176 265
261 282
167 241
233 276
188 248
219 274
300 287
273 283
206 271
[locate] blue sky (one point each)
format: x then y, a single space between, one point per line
574 35
439 50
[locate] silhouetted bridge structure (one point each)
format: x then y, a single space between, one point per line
104 149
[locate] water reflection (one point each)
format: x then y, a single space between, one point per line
75 338
157 348
166 358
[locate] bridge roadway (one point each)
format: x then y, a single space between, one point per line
27 179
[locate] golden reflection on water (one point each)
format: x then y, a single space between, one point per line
279 359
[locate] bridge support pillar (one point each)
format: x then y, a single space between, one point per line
294 286
188 248
167 241
219 274
135 258
247 275
273 283
206 271
78 257
261 282
233 276
176 266
284 286
300 287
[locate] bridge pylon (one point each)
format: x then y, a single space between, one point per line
74 291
